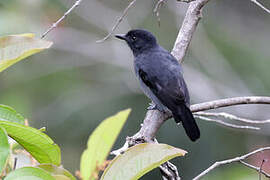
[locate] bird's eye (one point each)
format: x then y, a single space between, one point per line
133 38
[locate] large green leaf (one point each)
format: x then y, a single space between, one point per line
14 48
58 173
38 144
9 114
140 159
100 143
4 149
29 173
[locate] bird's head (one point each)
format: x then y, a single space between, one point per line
138 40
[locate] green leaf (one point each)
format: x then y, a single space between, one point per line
29 173
38 144
57 172
100 143
14 48
4 150
9 114
140 159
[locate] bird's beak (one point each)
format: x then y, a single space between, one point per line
121 36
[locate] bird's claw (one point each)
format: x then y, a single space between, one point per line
152 106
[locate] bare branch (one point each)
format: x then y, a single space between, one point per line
237 159
226 124
260 5
157 9
54 25
188 28
230 102
119 20
258 169
232 117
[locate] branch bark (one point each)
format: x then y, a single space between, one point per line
230 102
189 25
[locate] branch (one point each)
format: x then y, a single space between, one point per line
54 25
188 28
237 159
154 118
119 20
226 124
260 5
157 9
230 102
232 117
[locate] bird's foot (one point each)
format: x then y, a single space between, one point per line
152 106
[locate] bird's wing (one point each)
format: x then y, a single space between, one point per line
166 89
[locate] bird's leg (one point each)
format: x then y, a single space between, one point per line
152 106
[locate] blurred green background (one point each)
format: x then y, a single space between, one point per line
73 86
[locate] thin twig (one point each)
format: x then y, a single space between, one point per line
157 9
119 20
230 102
228 161
232 117
255 168
260 5
226 124
54 25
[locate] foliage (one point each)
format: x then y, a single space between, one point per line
37 143
4 149
9 114
17 47
13 49
140 159
100 143
29 173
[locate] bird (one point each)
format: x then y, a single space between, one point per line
161 79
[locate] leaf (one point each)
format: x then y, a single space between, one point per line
29 173
38 144
100 143
9 114
57 172
14 48
140 159
4 150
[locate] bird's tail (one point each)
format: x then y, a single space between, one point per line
183 114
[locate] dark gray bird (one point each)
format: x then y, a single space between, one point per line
161 79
